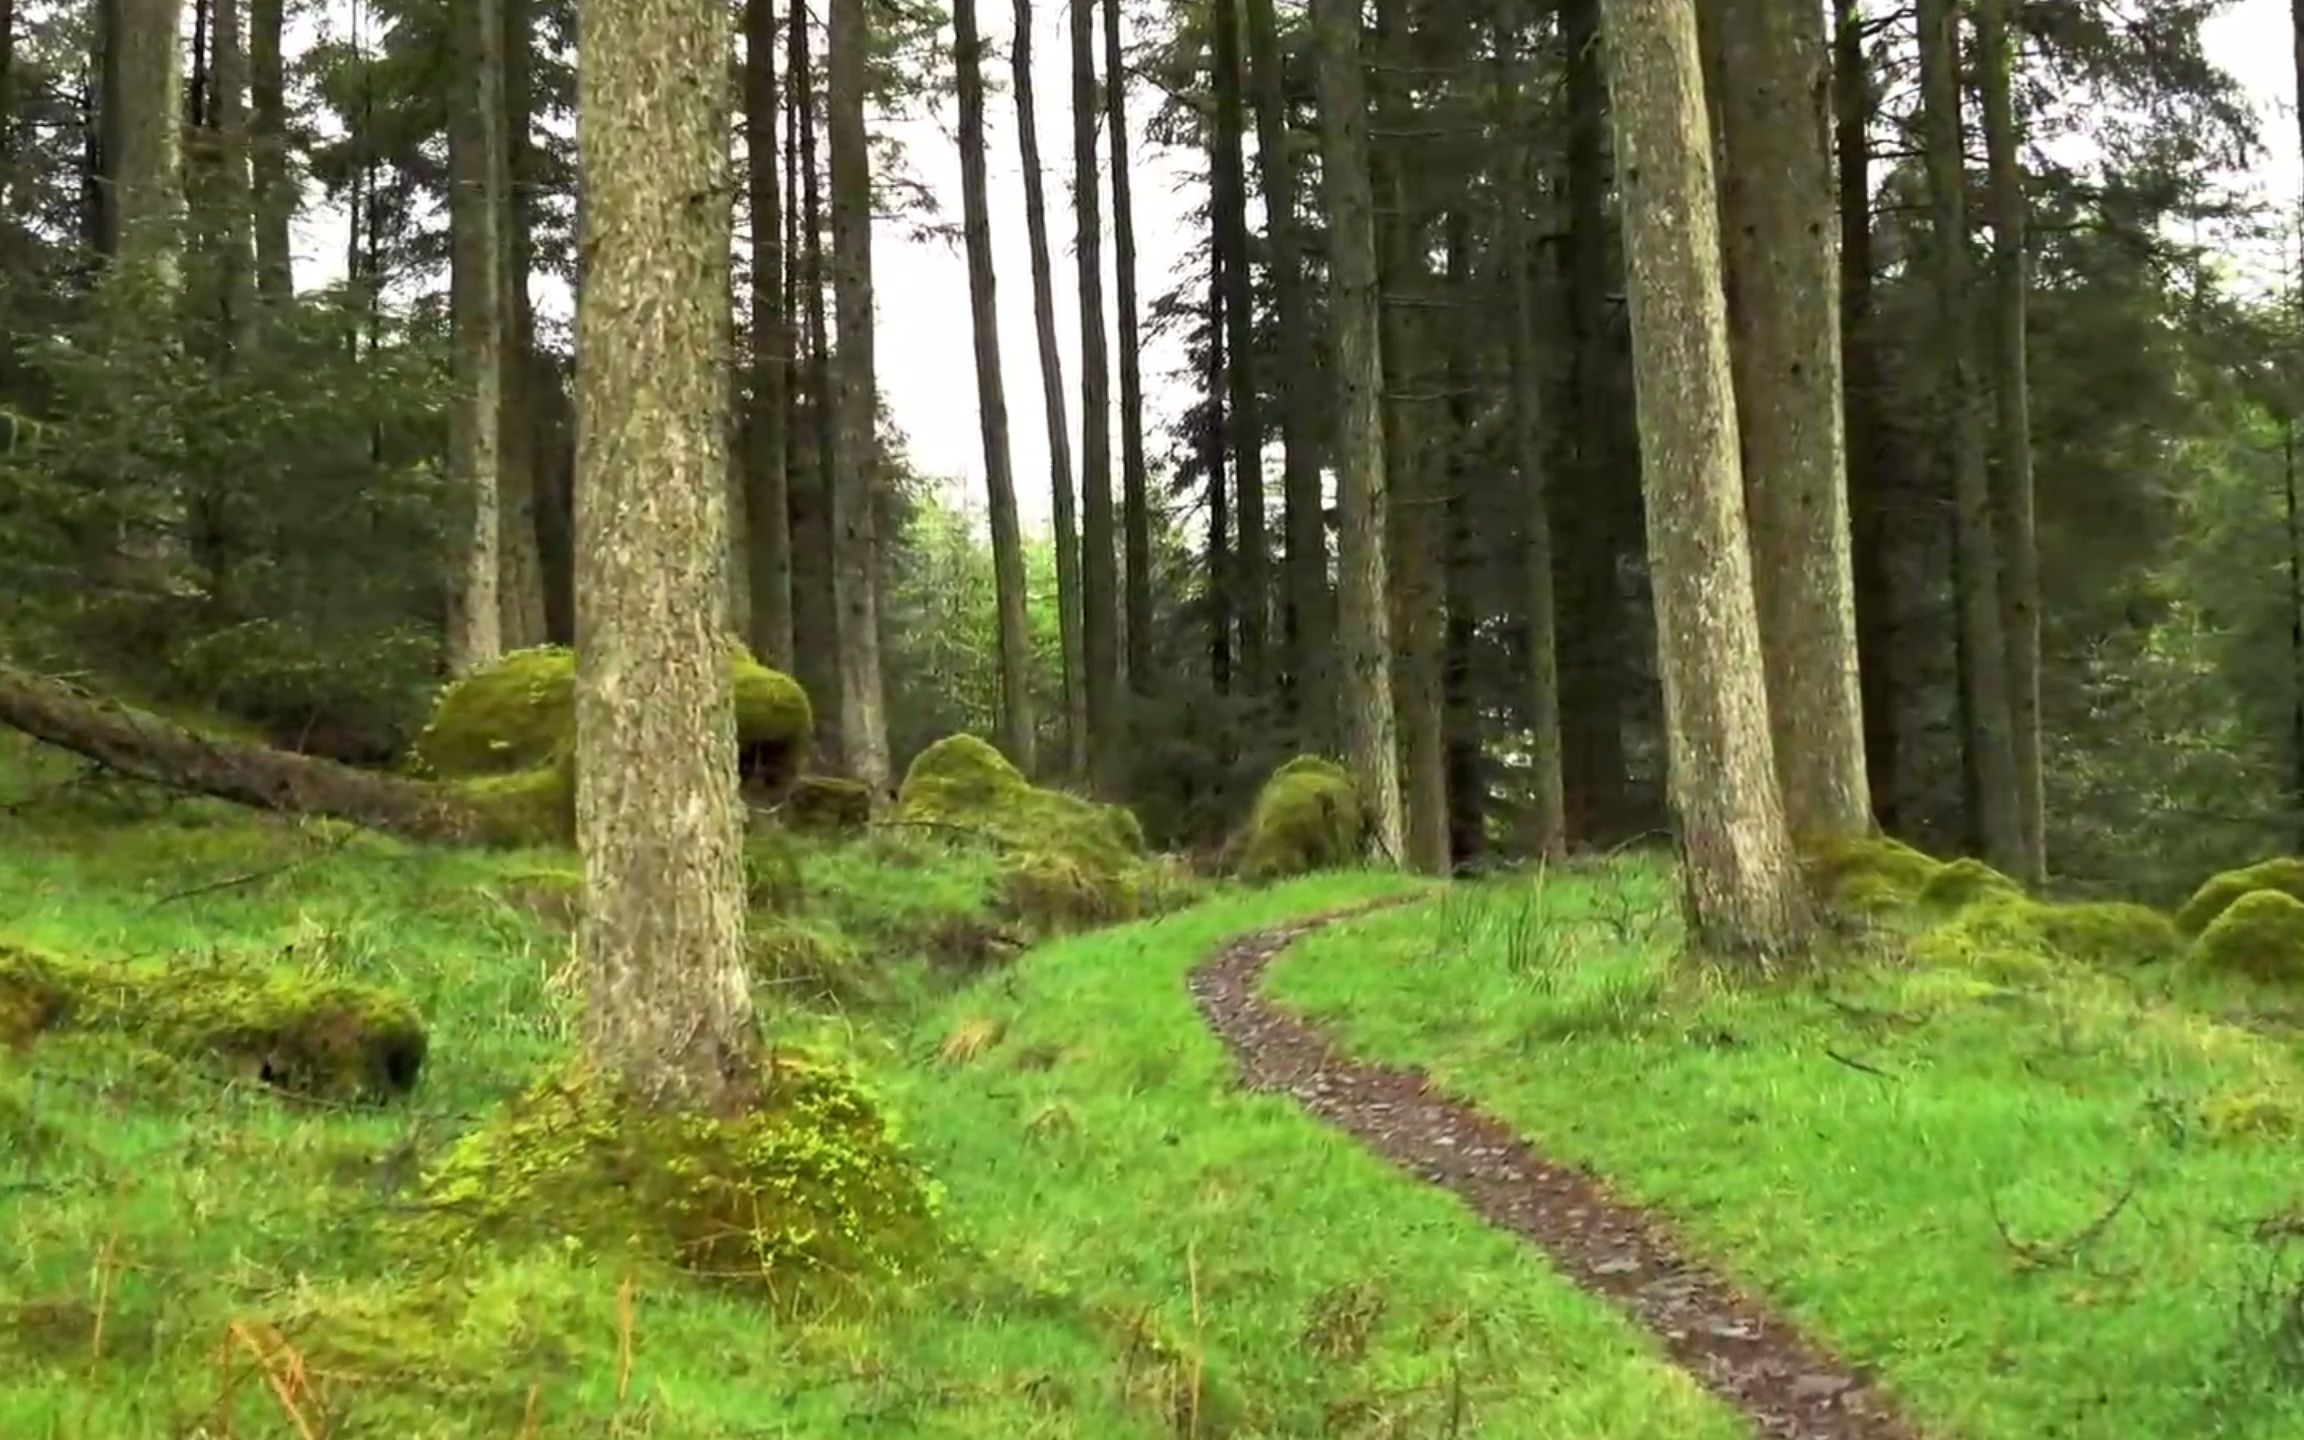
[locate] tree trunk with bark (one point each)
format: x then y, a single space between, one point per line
1461 564
144 151
1215 469
1252 593
476 318
809 459
767 495
855 485
1308 610
1745 896
669 1008
1099 617
1364 640
2012 390
1994 815
1017 725
1054 407
1776 204
228 113
525 531
1135 493
275 193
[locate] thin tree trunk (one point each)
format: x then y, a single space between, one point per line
7 108
1745 896
1252 594
2296 517
526 530
855 486
1135 494
275 195
1776 203
104 58
815 603
1364 627
1308 610
476 309
1466 775
228 108
1054 405
1017 725
148 192
2012 388
669 1009
1214 452
767 494
1991 757
1547 819
1099 617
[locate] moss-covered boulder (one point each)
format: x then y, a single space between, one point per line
2109 934
2284 874
2259 935
503 737
326 1039
828 805
1308 816
2012 939
1867 874
802 1197
962 783
1964 882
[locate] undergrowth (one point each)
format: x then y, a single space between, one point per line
2040 1195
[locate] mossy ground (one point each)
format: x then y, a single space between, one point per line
1906 1150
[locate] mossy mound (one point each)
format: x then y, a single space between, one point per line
802 1198
1868 874
963 783
2109 934
828 805
1308 816
2012 939
503 738
2260 935
2284 874
324 1039
802 965
1965 882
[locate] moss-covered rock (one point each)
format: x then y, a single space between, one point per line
1308 816
2259 935
801 1198
2284 874
1965 882
2012 939
326 1039
1868 874
963 783
514 715
524 807
828 805
2109 934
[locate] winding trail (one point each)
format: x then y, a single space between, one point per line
1788 1386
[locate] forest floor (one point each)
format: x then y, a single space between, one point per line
1914 1167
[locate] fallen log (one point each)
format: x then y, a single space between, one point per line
144 746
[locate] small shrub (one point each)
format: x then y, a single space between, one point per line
2218 892
2260 935
1965 882
804 1196
1307 817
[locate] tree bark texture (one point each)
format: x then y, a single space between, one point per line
1252 592
767 495
476 319
526 530
1364 640
809 459
1745 895
1462 564
1135 494
145 130
234 220
1017 725
1099 616
1776 203
669 1009
855 486
268 151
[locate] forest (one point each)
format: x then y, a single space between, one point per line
1629 763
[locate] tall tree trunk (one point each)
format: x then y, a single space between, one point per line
228 111
526 530
1994 814
1135 494
7 108
1214 454
2012 388
1744 891
104 65
669 1009
275 194
1016 719
1230 209
1467 783
2296 516
145 130
1098 615
476 310
815 603
1364 638
1308 611
1054 406
855 486
767 495
1595 635
1776 203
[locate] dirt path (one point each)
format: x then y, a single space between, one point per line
1784 1383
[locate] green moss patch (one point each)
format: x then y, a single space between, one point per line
2284 874
1965 882
323 1039
962 783
802 1199
2259 935
828 805
1307 817
2010 939
1868 875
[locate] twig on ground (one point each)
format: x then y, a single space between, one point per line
1854 1064
2033 1255
257 876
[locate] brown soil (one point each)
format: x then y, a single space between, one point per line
1786 1384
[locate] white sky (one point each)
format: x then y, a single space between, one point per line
926 362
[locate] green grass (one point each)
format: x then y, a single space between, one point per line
1872 1205
1127 1231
